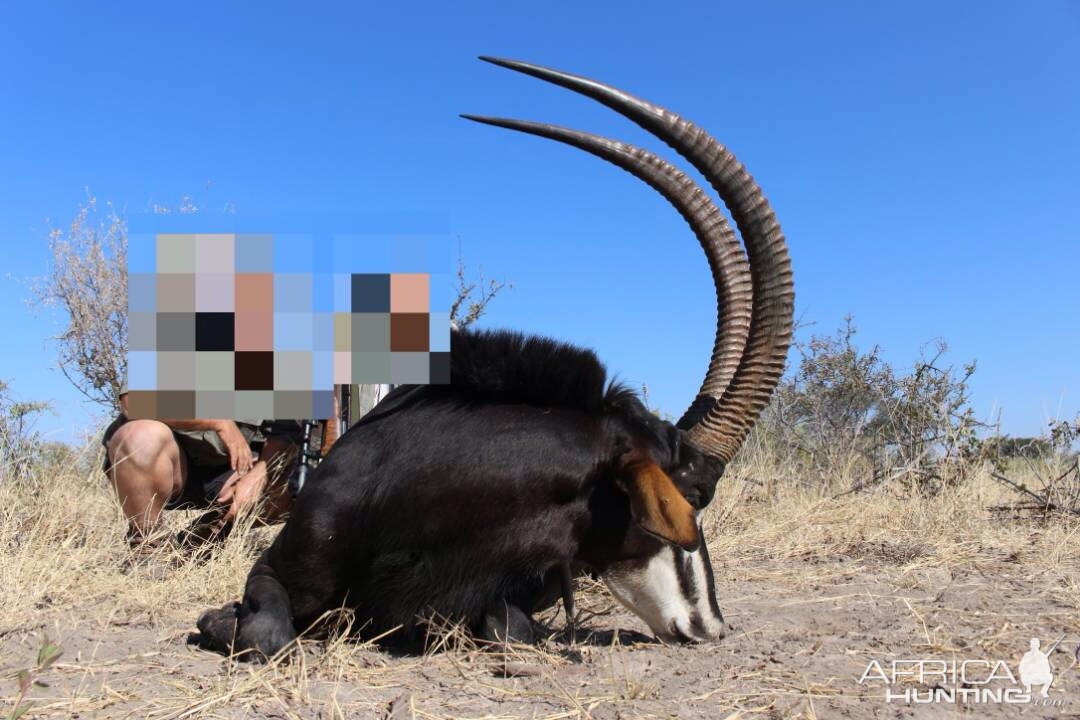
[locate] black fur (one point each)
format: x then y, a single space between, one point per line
461 500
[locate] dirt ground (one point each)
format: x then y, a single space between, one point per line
793 649
813 588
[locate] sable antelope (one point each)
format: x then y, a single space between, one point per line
474 500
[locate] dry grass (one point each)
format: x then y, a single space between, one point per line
951 527
812 586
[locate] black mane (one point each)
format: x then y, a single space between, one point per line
510 367
506 366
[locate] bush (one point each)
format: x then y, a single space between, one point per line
21 445
845 415
1032 448
88 283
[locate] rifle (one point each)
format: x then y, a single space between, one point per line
331 429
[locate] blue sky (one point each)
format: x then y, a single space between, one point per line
922 158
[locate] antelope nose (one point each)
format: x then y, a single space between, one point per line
698 632
708 630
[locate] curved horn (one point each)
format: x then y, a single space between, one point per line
721 429
730 270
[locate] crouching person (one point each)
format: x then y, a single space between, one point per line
222 465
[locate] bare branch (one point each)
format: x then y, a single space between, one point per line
88 284
472 296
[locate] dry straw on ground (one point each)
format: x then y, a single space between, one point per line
812 585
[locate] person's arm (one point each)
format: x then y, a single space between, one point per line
240 457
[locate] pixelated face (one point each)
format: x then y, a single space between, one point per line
246 326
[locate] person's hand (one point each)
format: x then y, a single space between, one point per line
240 456
240 491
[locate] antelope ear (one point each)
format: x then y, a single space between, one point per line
656 504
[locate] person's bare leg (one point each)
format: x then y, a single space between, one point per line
147 469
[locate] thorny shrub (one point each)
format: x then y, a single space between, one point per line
21 445
845 415
88 284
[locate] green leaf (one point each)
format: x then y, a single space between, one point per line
20 711
48 654
24 680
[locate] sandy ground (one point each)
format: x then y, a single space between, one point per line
802 632
814 586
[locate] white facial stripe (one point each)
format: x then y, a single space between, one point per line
652 590
714 625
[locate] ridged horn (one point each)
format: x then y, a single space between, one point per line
717 427
730 270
